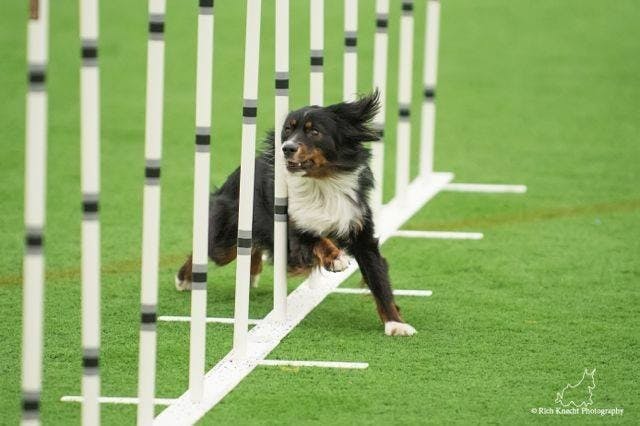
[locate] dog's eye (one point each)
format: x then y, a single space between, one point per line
287 130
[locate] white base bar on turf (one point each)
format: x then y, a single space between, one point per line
118 400
320 364
418 293
485 187
439 235
266 336
170 318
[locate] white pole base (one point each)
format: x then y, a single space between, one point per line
118 400
418 293
486 188
217 320
439 235
319 364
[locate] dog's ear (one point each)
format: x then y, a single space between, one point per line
357 116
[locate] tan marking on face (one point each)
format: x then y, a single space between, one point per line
316 156
300 155
308 125
319 169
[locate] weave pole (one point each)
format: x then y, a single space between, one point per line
350 70
280 186
90 156
403 138
429 79
34 208
247 166
151 212
200 259
380 53
316 78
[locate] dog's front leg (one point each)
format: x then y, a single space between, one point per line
329 256
375 272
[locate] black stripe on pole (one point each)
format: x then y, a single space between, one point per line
206 3
90 206
282 83
203 139
34 240
249 111
244 242
89 52
152 172
404 112
90 361
407 6
351 41
148 318
30 404
156 27
382 22
199 277
429 93
37 76
317 61
280 209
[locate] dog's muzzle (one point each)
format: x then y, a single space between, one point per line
289 148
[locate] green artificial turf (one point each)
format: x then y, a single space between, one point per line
544 93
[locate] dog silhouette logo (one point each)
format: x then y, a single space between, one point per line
580 394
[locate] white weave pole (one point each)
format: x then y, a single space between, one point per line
316 28
280 186
151 212
350 69
247 166
200 259
403 138
90 156
429 79
34 208
380 49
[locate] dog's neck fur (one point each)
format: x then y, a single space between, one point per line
326 206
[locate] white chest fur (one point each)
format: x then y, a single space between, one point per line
325 206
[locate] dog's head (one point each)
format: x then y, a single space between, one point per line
318 141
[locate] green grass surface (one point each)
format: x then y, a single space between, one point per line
537 92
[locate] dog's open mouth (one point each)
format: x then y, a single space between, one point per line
296 166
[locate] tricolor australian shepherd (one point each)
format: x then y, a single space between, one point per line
330 219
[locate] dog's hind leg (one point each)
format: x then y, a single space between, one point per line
256 267
183 277
375 272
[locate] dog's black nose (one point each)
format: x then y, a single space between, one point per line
289 148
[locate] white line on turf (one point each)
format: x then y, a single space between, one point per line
441 235
118 400
172 318
485 187
321 364
419 293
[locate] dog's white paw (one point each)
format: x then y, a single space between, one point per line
394 328
254 280
182 285
340 263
